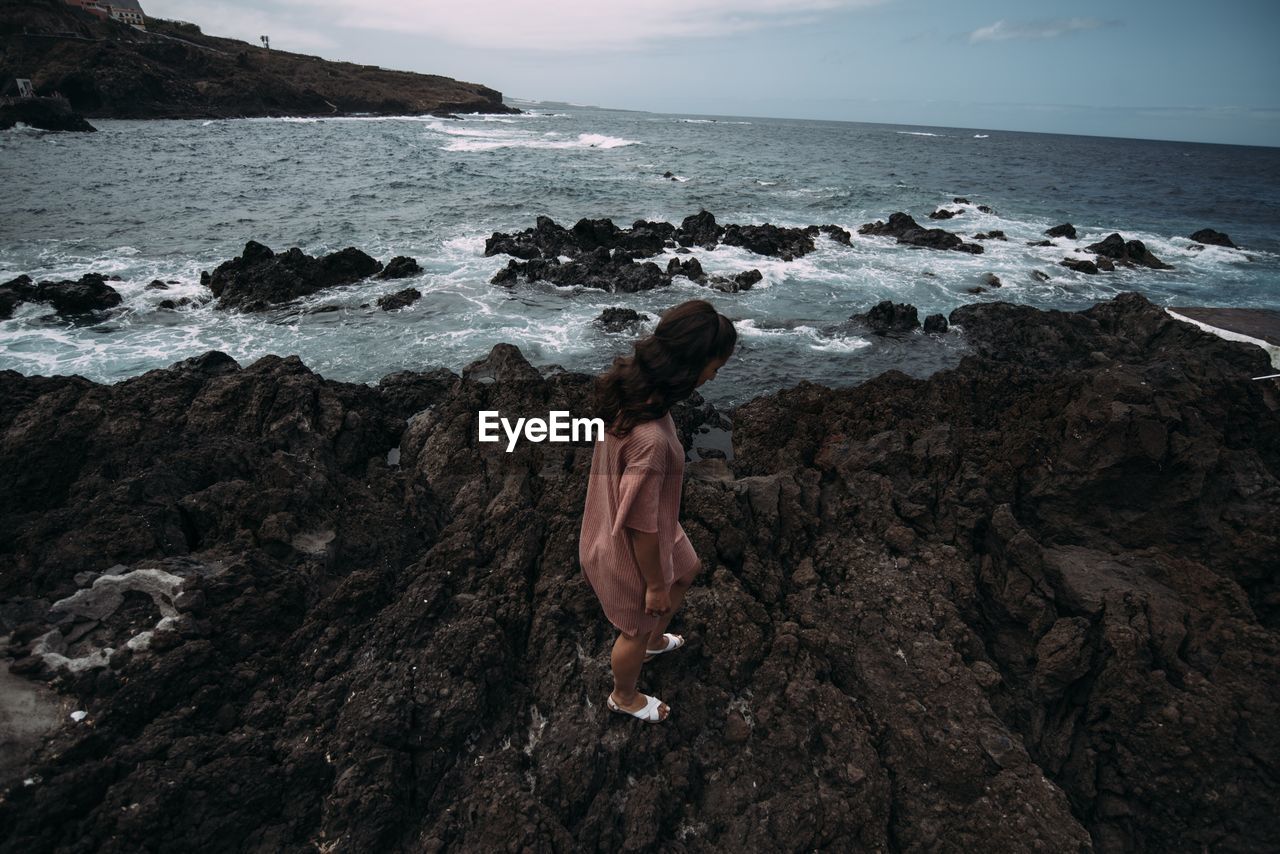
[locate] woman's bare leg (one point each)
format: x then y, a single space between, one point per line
627 659
678 588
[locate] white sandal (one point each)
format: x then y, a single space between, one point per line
648 714
673 642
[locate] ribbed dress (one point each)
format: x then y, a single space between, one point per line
635 483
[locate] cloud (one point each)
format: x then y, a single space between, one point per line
1003 30
569 25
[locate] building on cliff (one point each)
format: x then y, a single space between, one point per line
126 11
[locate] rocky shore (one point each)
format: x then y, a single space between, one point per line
1028 603
107 69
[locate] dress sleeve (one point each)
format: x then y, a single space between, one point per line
640 489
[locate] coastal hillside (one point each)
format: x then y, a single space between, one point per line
108 69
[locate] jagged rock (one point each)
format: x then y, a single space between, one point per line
944 213
777 241
991 279
935 323
733 284
596 269
157 285
1080 265
260 278
1039 276
84 296
985 209
399 299
960 200
1066 229
690 268
994 234
1130 252
700 229
1213 238
1025 603
1041 243
400 267
888 316
835 232
621 319
907 230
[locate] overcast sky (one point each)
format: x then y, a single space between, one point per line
1150 69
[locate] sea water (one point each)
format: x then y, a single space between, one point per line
147 200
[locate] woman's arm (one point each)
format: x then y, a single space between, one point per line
645 546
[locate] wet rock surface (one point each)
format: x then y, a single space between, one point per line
907 230
260 278
1028 603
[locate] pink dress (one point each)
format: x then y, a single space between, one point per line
635 483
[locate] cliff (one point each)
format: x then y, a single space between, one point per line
110 70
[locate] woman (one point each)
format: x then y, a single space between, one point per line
633 551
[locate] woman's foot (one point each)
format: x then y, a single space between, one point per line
667 644
642 706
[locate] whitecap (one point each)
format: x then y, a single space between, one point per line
981 135
916 133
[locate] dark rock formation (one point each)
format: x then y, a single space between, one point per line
1080 265
109 69
994 234
887 316
1128 252
547 240
777 241
740 282
991 279
690 268
84 296
400 267
1041 243
1064 230
960 200
399 299
1028 603
935 323
1039 276
944 213
54 114
907 230
621 320
985 209
157 285
835 232
1214 238
700 229
260 278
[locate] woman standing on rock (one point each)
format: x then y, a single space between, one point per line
633 550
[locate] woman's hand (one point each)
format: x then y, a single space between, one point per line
657 601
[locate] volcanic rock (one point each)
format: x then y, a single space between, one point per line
260 278
907 230
1066 229
400 267
1213 238
1129 252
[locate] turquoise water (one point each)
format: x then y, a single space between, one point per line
148 200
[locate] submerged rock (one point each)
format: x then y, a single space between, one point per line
1213 238
621 320
400 299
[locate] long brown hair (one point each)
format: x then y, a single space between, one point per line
665 366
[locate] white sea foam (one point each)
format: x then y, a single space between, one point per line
981 135
583 141
916 133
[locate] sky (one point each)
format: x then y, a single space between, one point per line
1176 70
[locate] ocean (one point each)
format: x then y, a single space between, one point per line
148 200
